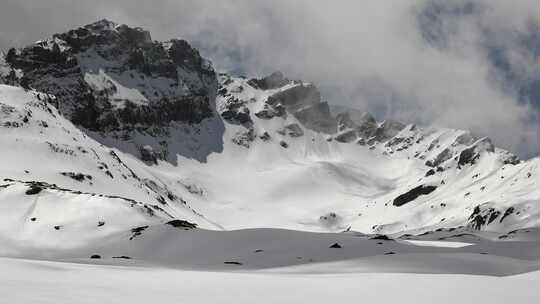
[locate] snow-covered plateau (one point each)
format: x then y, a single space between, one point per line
130 171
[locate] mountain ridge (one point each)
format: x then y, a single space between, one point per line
261 152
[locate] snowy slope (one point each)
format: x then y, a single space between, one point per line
83 190
52 282
113 156
275 172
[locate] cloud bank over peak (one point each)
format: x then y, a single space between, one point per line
471 64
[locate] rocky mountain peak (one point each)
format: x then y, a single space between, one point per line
115 81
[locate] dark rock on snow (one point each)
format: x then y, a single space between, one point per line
413 194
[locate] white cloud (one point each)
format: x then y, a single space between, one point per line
367 54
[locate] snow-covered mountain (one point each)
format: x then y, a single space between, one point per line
109 135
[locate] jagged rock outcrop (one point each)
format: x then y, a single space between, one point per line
272 81
443 156
234 111
271 111
484 214
115 80
304 102
364 129
387 130
413 194
470 155
292 130
148 155
346 136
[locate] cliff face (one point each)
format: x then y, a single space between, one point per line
115 81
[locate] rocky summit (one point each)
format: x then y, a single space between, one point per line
116 81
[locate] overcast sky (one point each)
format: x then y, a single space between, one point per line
471 64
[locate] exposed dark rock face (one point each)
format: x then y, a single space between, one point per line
317 117
34 189
344 121
430 172
77 176
507 213
445 155
273 81
470 155
234 111
265 136
244 138
366 126
137 231
116 81
364 129
330 220
387 130
482 216
413 194
148 155
464 139
511 159
346 136
304 102
296 97
182 224
271 111
381 237
292 130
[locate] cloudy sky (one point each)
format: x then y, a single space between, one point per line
471 64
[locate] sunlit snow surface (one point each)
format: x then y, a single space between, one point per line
24 281
440 244
119 216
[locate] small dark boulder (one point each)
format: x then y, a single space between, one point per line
182 224
265 136
335 245
34 189
381 237
95 256
430 172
